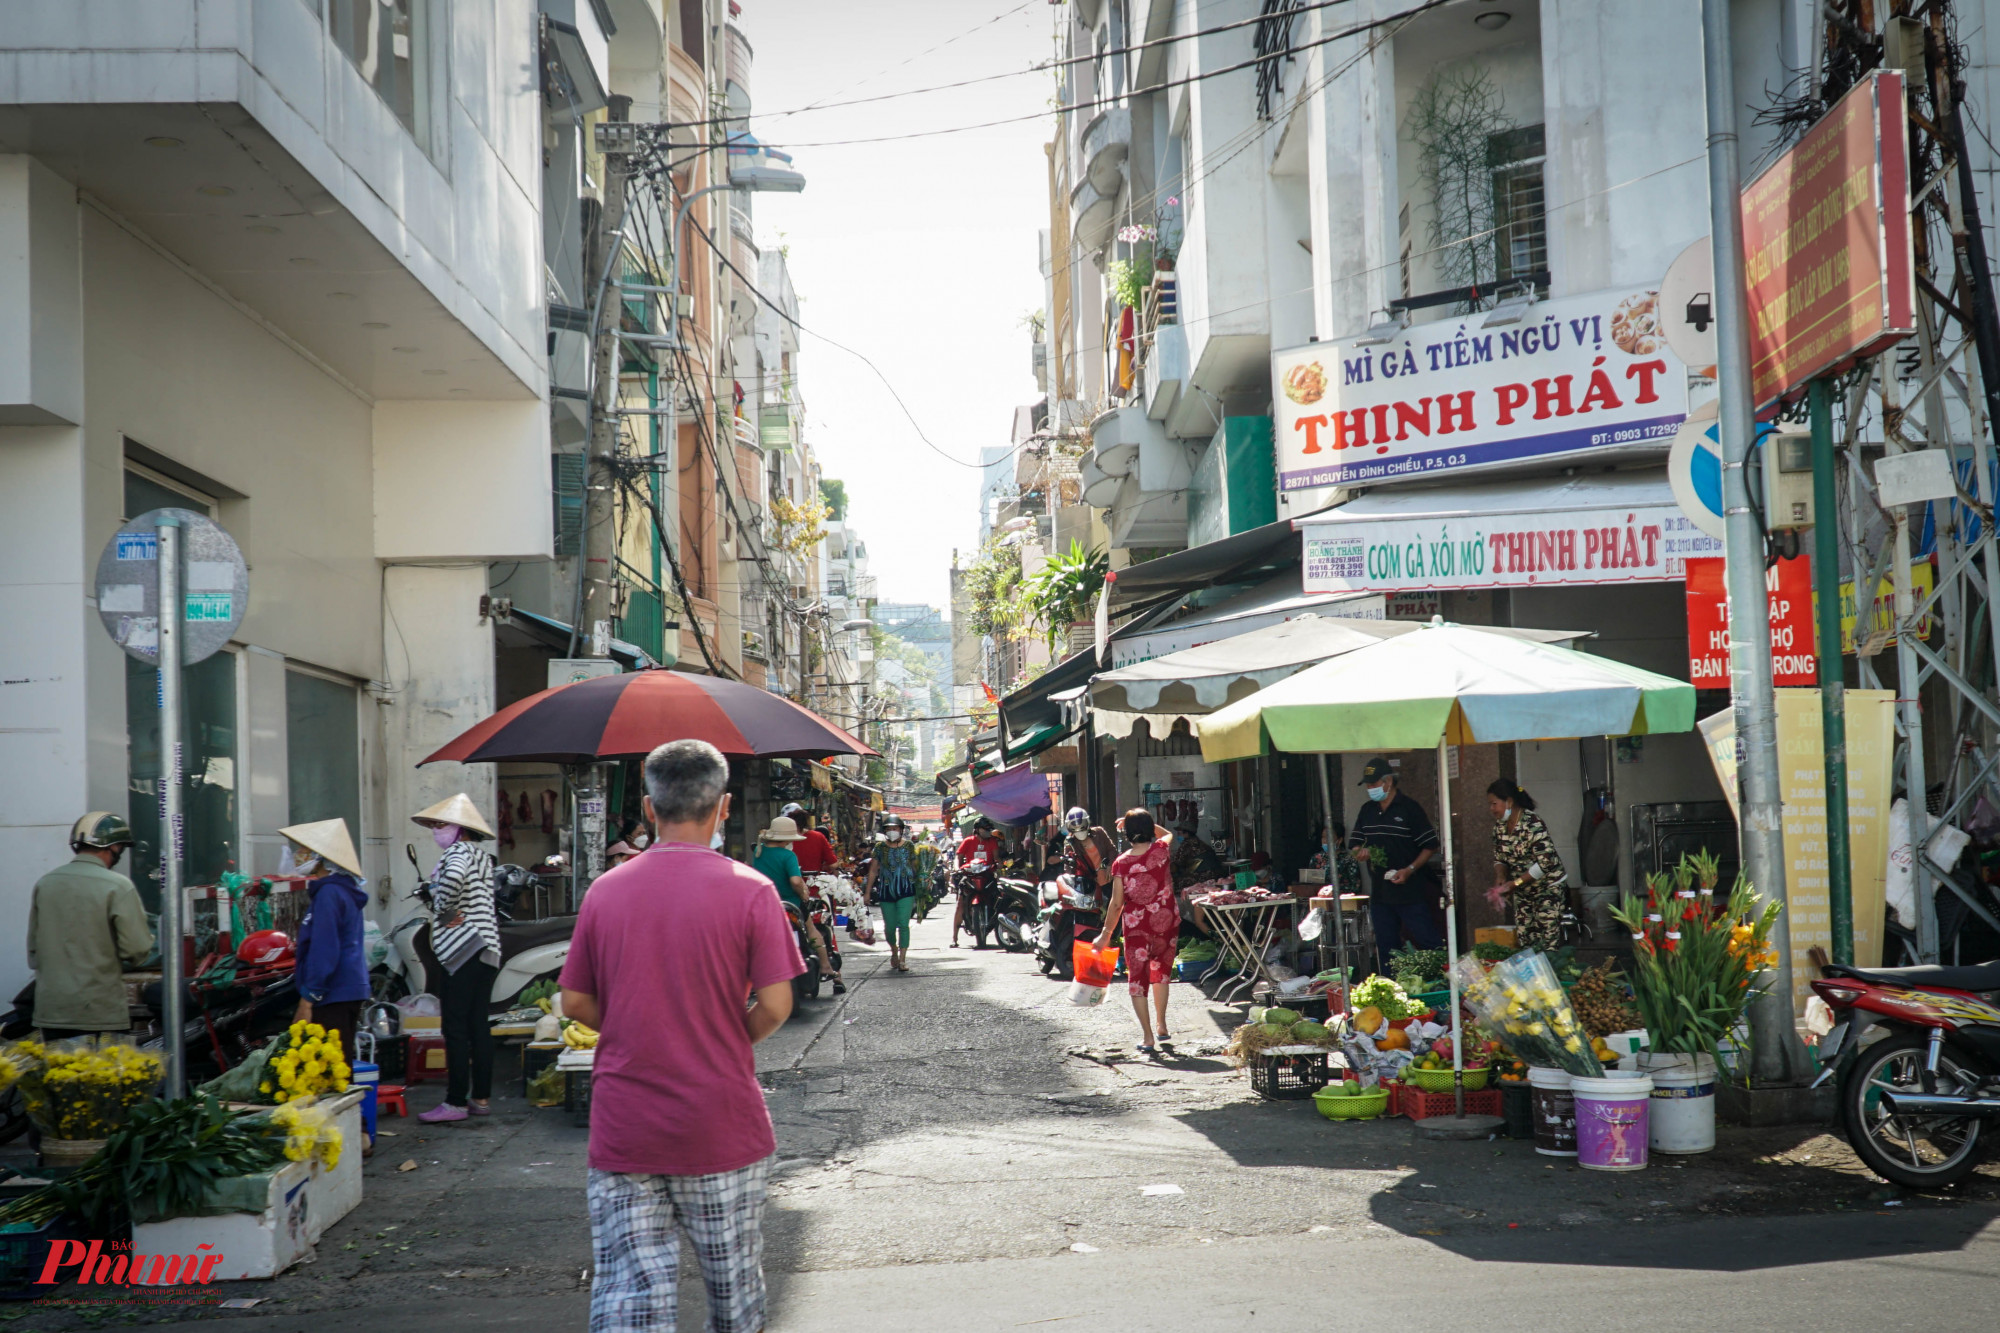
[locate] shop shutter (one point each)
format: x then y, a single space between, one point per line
567 486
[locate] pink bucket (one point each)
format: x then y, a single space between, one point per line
1612 1120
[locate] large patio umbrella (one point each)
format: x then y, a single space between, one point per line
625 716
1447 685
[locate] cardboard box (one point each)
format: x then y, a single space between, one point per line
1500 935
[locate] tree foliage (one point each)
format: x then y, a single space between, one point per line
1064 590
992 584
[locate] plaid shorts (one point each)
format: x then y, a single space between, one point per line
635 1283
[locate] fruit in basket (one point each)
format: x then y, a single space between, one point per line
1286 1017
1369 1020
1602 1002
1312 1034
1395 1039
1350 1088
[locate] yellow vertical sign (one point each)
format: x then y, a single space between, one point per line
1871 730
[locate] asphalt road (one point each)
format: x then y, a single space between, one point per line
962 1149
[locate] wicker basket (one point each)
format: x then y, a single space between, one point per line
1363 1106
1439 1080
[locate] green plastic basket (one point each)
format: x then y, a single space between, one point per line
1366 1106
1439 1080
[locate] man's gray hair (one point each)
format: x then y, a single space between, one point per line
685 779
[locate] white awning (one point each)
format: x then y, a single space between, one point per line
1272 602
1202 679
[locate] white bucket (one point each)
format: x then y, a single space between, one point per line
1612 1114
1085 995
1554 1111
1682 1114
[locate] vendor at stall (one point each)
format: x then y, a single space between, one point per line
332 971
1392 834
1526 867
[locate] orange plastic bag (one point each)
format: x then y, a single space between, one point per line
1094 966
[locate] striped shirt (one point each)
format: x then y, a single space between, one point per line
462 884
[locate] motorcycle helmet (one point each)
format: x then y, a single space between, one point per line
1078 818
265 948
793 810
99 828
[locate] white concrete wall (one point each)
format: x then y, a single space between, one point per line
189 375
41 366
463 216
454 480
1223 248
45 731
440 677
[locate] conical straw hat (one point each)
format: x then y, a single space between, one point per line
457 810
329 839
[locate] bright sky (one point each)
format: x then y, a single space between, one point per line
920 254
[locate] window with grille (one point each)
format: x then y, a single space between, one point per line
566 485
1520 216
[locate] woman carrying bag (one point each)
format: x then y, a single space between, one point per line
1526 867
465 936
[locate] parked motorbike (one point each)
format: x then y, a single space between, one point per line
1916 1051
1014 913
530 951
1067 910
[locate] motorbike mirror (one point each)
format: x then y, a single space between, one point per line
411 852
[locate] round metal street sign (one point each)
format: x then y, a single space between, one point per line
1687 307
215 585
1694 469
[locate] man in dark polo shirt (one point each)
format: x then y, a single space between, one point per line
1392 834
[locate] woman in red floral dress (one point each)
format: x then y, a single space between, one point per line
1142 897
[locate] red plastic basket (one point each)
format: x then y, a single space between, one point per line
1417 1104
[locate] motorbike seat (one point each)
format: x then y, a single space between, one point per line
517 937
1978 977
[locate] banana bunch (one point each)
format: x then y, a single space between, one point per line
579 1038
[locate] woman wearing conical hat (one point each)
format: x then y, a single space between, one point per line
465 936
332 972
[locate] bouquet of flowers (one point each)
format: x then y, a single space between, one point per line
1697 964
308 1132
1522 1001
83 1088
307 1064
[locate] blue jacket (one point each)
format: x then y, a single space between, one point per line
332 968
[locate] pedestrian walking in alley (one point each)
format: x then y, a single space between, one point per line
665 951
776 861
1526 867
332 972
892 884
465 936
86 925
1142 900
1392 834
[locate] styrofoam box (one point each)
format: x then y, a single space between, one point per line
304 1200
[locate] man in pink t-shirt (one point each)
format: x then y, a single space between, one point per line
667 948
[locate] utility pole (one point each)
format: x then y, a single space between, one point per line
1779 1057
617 140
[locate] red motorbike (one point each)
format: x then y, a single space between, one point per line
1917 1053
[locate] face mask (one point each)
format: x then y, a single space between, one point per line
716 841
309 867
1377 793
446 836
895 835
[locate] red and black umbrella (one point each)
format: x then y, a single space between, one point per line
626 716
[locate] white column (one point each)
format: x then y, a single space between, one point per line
438 661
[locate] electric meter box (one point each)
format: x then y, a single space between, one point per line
1788 480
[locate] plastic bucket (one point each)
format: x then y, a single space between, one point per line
1084 995
1554 1112
1611 1120
1683 1109
1517 1108
368 1078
